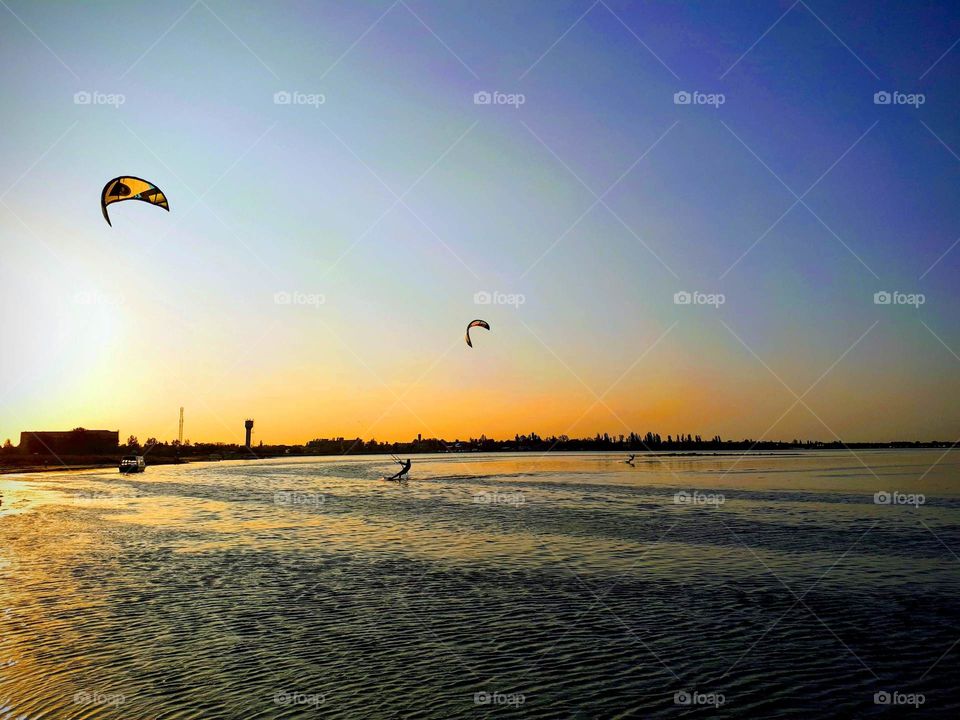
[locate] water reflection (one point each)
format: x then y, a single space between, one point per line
210 590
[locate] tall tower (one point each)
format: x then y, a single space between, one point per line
180 436
249 426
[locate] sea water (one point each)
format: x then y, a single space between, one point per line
813 584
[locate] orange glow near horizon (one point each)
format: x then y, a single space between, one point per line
668 392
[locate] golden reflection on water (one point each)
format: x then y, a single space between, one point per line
80 550
339 502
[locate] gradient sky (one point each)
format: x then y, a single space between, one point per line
118 327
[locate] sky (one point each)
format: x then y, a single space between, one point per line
344 201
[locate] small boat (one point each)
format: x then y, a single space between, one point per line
132 464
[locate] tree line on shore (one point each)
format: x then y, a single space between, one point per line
632 442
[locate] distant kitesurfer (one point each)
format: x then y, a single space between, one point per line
404 469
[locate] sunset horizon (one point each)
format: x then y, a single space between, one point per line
500 197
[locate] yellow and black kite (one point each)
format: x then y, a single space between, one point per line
128 187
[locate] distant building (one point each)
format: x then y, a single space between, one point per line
71 442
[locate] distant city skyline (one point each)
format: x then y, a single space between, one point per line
35 441
726 219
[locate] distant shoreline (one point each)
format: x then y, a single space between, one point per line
68 464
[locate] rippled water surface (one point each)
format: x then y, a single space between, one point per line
570 586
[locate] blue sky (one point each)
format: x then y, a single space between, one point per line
269 198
